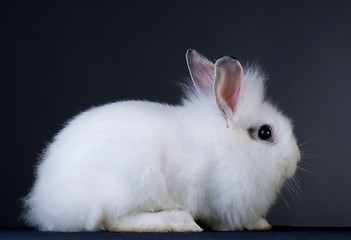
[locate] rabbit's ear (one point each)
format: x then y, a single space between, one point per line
228 78
201 72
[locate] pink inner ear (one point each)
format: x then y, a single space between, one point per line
202 72
230 93
203 78
228 83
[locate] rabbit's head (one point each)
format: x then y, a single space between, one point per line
256 147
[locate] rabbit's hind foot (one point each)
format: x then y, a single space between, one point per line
163 221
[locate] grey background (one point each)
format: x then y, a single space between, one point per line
61 57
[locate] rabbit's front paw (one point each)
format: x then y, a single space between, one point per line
261 225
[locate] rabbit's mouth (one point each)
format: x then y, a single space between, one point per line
291 168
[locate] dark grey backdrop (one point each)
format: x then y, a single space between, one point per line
61 57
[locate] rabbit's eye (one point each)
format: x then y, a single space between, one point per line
265 133
262 133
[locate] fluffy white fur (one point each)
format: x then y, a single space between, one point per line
144 166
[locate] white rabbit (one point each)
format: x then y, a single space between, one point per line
217 160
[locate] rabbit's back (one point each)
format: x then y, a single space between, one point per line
96 164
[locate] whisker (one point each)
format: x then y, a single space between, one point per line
307 155
305 170
311 155
294 191
298 189
286 202
305 163
293 188
309 172
307 141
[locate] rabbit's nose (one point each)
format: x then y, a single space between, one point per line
299 159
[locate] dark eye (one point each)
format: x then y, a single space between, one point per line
265 133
